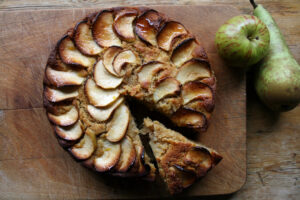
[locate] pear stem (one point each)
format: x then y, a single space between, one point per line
253 4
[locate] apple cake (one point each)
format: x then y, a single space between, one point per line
116 55
180 161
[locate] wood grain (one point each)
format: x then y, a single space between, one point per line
270 175
35 158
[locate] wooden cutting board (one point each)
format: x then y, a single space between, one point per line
32 164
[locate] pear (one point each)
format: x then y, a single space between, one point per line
277 81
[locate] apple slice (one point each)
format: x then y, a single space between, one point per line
139 165
102 30
105 79
84 41
147 71
192 70
138 169
117 127
121 59
109 57
109 157
99 97
147 25
85 147
127 157
200 157
103 114
168 32
70 133
60 94
69 54
186 177
195 90
65 119
64 78
123 24
189 118
186 50
166 87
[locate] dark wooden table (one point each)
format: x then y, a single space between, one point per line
273 140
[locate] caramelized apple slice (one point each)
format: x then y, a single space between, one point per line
98 96
192 70
169 31
63 78
66 119
117 127
105 79
61 94
128 155
195 90
109 57
186 50
103 114
121 59
109 157
123 24
200 157
147 25
147 72
138 169
102 30
85 147
186 177
84 40
69 54
69 133
189 118
166 87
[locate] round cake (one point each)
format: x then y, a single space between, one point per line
113 56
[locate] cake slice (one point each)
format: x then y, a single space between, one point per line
180 161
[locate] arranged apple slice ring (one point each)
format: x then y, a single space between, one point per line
186 50
109 157
85 147
66 119
128 155
191 118
103 31
166 87
123 58
64 78
69 54
147 71
108 58
104 79
84 41
194 69
99 97
123 24
117 127
103 114
61 94
70 133
168 32
196 91
147 26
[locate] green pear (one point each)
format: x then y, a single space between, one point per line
277 80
